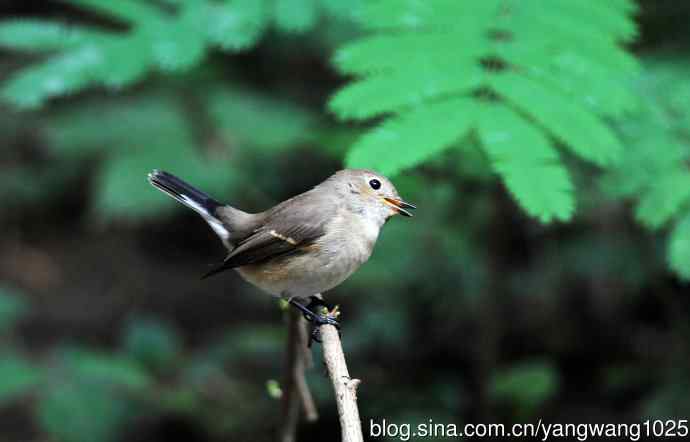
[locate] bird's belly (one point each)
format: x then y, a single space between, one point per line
304 274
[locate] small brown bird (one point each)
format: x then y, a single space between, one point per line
305 245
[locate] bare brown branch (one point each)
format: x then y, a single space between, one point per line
344 386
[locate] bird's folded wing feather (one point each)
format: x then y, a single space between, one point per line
284 231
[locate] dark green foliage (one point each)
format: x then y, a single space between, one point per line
528 384
244 117
105 369
193 131
153 344
83 394
81 412
87 395
17 376
438 73
669 400
143 133
133 134
12 308
155 40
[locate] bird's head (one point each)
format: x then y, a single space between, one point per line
370 193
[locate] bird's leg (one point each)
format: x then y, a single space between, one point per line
317 301
306 312
327 317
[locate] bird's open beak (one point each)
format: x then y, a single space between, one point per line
400 206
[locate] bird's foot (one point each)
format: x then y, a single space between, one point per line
318 313
327 317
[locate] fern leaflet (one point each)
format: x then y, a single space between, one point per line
547 72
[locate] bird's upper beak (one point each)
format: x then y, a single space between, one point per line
400 206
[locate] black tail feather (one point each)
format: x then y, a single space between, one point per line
184 192
193 198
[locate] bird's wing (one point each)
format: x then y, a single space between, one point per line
286 229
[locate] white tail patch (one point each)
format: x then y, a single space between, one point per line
212 221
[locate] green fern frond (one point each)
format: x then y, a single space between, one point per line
420 15
134 62
339 9
533 174
62 74
665 197
528 38
434 126
610 17
559 69
296 15
595 87
579 23
380 94
236 25
112 59
165 39
627 6
43 35
180 44
596 75
654 169
131 11
647 158
584 133
383 53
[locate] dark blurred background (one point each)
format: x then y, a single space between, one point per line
469 312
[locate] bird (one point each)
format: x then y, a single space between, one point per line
305 245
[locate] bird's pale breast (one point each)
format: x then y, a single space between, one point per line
320 266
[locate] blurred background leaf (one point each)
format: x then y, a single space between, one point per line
153 344
80 412
17 377
528 385
12 308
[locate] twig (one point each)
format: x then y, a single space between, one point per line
308 406
344 386
295 387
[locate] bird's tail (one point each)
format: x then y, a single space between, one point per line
191 197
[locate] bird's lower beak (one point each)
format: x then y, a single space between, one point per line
400 206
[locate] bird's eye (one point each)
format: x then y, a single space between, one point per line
375 184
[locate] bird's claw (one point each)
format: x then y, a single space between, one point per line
318 313
325 318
